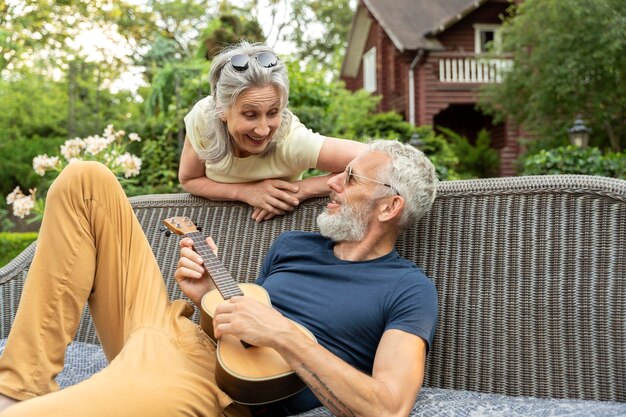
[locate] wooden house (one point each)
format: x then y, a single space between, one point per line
426 59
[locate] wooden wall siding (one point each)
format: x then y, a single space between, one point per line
398 83
498 136
387 74
512 150
420 94
460 37
383 70
435 96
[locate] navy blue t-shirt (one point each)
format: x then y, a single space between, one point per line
347 305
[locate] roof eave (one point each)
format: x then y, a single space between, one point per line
396 42
446 24
357 37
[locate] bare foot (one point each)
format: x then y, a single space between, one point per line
6 402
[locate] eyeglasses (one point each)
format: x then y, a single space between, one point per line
350 174
241 62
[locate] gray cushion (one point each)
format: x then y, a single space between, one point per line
84 359
436 402
81 361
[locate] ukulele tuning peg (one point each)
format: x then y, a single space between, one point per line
165 231
195 224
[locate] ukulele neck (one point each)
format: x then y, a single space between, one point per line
222 279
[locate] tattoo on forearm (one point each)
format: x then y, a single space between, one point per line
324 393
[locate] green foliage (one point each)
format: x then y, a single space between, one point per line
5 222
42 35
32 106
474 161
230 27
12 244
614 164
390 125
568 59
17 164
324 45
110 149
159 170
177 86
574 160
50 20
348 110
326 106
179 21
439 152
90 107
162 51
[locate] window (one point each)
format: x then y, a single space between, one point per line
369 70
486 36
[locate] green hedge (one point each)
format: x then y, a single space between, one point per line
572 160
11 244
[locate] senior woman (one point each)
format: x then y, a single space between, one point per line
244 144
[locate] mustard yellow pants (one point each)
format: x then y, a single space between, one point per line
92 249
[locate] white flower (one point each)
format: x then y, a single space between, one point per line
134 137
106 149
15 194
96 144
72 148
23 206
43 163
109 131
109 157
130 164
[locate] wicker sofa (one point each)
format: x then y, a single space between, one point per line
531 275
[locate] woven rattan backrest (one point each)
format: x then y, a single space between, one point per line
531 275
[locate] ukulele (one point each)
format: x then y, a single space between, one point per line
248 374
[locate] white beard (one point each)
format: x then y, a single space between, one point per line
349 224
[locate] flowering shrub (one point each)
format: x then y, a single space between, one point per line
110 149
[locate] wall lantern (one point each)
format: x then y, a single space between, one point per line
415 141
579 133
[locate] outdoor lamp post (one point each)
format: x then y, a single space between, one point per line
415 141
579 133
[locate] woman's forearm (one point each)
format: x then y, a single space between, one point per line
207 188
313 187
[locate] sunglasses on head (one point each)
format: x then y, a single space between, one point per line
241 62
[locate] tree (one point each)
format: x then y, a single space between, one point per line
61 47
320 30
181 21
317 29
32 29
231 26
327 107
569 58
31 106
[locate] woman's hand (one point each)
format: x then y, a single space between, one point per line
191 276
270 197
307 188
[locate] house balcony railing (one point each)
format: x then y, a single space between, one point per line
471 68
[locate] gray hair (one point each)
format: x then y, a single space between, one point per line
227 84
411 174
